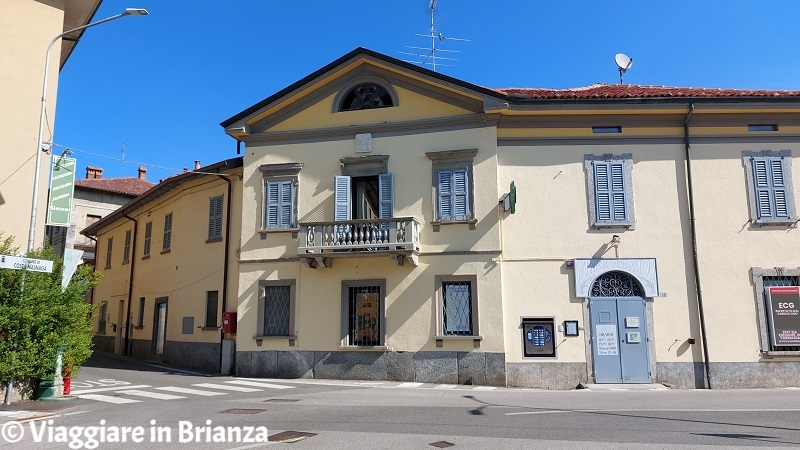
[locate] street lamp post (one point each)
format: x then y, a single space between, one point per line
35 202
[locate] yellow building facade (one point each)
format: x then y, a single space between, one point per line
378 240
170 271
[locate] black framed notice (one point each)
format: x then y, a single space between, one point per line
784 315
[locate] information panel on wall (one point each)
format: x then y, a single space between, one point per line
784 315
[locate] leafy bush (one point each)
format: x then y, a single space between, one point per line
36 318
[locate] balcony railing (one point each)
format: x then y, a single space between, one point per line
398 236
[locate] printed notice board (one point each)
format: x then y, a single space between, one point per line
607 343
784 315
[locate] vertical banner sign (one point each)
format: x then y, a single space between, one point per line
72 258
784 315
62 186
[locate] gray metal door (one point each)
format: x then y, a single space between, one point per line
619 340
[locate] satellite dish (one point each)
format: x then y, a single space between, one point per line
624 63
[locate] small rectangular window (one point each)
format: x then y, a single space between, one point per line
762 127
140 318
279 200
453 185
604 130
126 252
148 236
102 316
167 245
215 218
609 182
212 302
108 252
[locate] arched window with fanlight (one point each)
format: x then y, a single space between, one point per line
365 94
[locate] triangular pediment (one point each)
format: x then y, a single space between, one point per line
314 102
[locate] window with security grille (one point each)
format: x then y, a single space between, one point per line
276 307
364 313
457 304
148 237
215 218
212 304
167 244
609 181
457 308
366 96
769 182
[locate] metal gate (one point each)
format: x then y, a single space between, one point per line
619 330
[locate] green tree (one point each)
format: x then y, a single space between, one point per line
37 318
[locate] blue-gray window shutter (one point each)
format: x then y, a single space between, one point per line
342 210
280 202
609 192
386 195
445 194
770 188
454 194
286 200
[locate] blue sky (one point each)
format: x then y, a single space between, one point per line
160 85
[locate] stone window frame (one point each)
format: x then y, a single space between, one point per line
627 165
262 298
747 160
346 284
274 173
474 309
367 79
758 275
449 160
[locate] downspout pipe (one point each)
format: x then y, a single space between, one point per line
225 266
693 228
126 350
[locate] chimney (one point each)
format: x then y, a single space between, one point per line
93 173
196 164
142 173
185 169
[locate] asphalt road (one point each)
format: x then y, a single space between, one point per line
193 410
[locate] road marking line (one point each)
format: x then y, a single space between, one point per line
190 391
106 389
535 412
484 388
108 399
226 387
172 369
155 395
445 386
259 384
409 385
632 410
12 413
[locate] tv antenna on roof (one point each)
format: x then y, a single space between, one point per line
624 63
437 38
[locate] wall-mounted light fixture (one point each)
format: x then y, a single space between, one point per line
615 239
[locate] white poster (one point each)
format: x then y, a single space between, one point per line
607 340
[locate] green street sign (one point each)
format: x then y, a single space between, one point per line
62 187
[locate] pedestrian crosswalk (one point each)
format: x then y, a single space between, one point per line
124 394
137 393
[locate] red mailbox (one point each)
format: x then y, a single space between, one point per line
229 322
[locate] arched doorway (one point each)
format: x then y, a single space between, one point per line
618 314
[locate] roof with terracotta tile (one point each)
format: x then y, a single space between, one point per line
128 186
637 91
